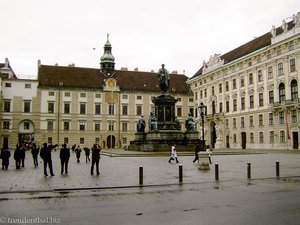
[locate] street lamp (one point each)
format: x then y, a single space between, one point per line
203 112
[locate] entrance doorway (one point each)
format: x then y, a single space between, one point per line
111 141
5 142
243 136
213 134
295 140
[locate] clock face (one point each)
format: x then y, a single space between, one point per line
111 83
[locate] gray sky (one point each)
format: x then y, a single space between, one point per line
144 34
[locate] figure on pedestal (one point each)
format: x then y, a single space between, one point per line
152 122
190 123
178 127
141 125
164 79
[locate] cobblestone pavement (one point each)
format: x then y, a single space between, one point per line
124 171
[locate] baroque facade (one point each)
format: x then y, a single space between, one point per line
68 104
252 92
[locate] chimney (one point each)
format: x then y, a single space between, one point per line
6 62
72 65
39 63
136 69
124 68
175 72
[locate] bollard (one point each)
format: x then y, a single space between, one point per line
277 169
141 175
180 173
249 170
216 171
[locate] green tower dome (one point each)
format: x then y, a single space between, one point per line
107 60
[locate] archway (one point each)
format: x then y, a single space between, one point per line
213 136
111 141
26 132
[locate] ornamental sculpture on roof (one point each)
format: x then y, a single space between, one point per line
213 62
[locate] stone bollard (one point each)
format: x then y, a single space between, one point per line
180 174
141 175
277 169
249 170
203 162
216 171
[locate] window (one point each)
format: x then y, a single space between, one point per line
281 117
201 94
6 124
111 109
26 126
220 107
227 86
139 97
8 85
243 103
51 93
67 94
271 119
260 120
205 94
234 84
81 125
97 125
27 85
50 125
97 140
50 140
282 136
251 137
220 88
242 82
81 140
97 109
294 90
227 123
82 95
234 138
213 90
124 109
272 135
261 137
227 106
234 123
242 122
179 99
250 78
281 92
292 65
124 96
124 126
270 72
82 108
294 116
179 112
67 108
271 97
97 95
50 107
66 140
124 140
234 105
250 121
261 99
66 125
251 101
259 76
139 110
6 106
110 125
27 106
280 69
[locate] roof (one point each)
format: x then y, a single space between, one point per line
14 76
249 47
78 77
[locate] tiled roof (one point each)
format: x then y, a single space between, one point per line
78 77
247 48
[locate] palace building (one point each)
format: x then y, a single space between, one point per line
69 104
252 92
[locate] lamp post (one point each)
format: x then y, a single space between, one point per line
203 111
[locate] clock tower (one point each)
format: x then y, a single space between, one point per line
107 60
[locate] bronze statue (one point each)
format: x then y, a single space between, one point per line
164 78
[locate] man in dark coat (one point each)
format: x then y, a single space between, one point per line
46 156
64 158
87 154
23 154
197 150
5 155
95 158
17 156
35 151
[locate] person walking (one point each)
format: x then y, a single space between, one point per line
78 153
17 157
95 158
46 156
197 150
23 154
64 158
87 154
5 155
35 152
173 154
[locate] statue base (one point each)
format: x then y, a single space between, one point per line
204 162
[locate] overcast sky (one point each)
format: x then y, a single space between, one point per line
144 34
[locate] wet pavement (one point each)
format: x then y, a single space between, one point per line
115 197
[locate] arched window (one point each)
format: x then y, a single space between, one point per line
261 137
251 137
234 138
281 92
282 136
294 90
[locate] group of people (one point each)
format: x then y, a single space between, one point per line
46 154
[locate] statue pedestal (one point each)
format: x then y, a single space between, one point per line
203 163
219 144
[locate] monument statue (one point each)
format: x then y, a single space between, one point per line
177 123
164 78
152 122
190 123
141 125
